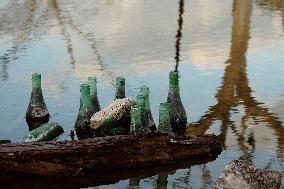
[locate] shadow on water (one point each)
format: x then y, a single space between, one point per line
235 90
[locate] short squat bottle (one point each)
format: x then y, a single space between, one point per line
120 88
37 111
141 102
177 112
86 111
164 118
149 118
92 81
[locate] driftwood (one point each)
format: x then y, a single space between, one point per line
92 156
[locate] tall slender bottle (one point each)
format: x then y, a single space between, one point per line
164 118
136 121
92 81
177 112
86 111
149 118
141 102
37 112
120 88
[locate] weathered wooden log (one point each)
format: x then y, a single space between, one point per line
81 158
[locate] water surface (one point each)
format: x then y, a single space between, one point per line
229 54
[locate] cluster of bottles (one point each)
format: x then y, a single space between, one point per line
172 115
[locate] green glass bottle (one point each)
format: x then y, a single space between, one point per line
45 132
37 110
141 102
136 121
112 126
149 118
86 111
177 112
164 118
92 81
120 88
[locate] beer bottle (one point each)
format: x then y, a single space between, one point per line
149 118
120 88
37 111
164 118
86 111
92 81
177 112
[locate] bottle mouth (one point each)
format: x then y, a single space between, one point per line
36 76
85 89
120 81
92 79
144 91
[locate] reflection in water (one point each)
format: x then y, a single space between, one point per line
19 21
273 5
235 90
179 33
54 5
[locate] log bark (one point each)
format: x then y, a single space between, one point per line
82 158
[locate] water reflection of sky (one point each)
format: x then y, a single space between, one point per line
67 41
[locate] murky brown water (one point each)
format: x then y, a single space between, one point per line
229 53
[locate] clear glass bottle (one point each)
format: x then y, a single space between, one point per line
92 81
177 112
37 112
149 118
86 111
164 118
120 88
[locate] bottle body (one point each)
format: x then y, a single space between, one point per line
178 115
149 118
120 88
45 132
92 81
86 111
164 118
37 110
141 102
136 121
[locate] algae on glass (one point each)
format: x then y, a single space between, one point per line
178 115
86 111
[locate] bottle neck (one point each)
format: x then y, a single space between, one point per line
164 114
145 92
36 81
92 81
141 102
136 116
120 87
174 81
85 100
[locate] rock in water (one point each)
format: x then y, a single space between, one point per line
238 174
118 110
